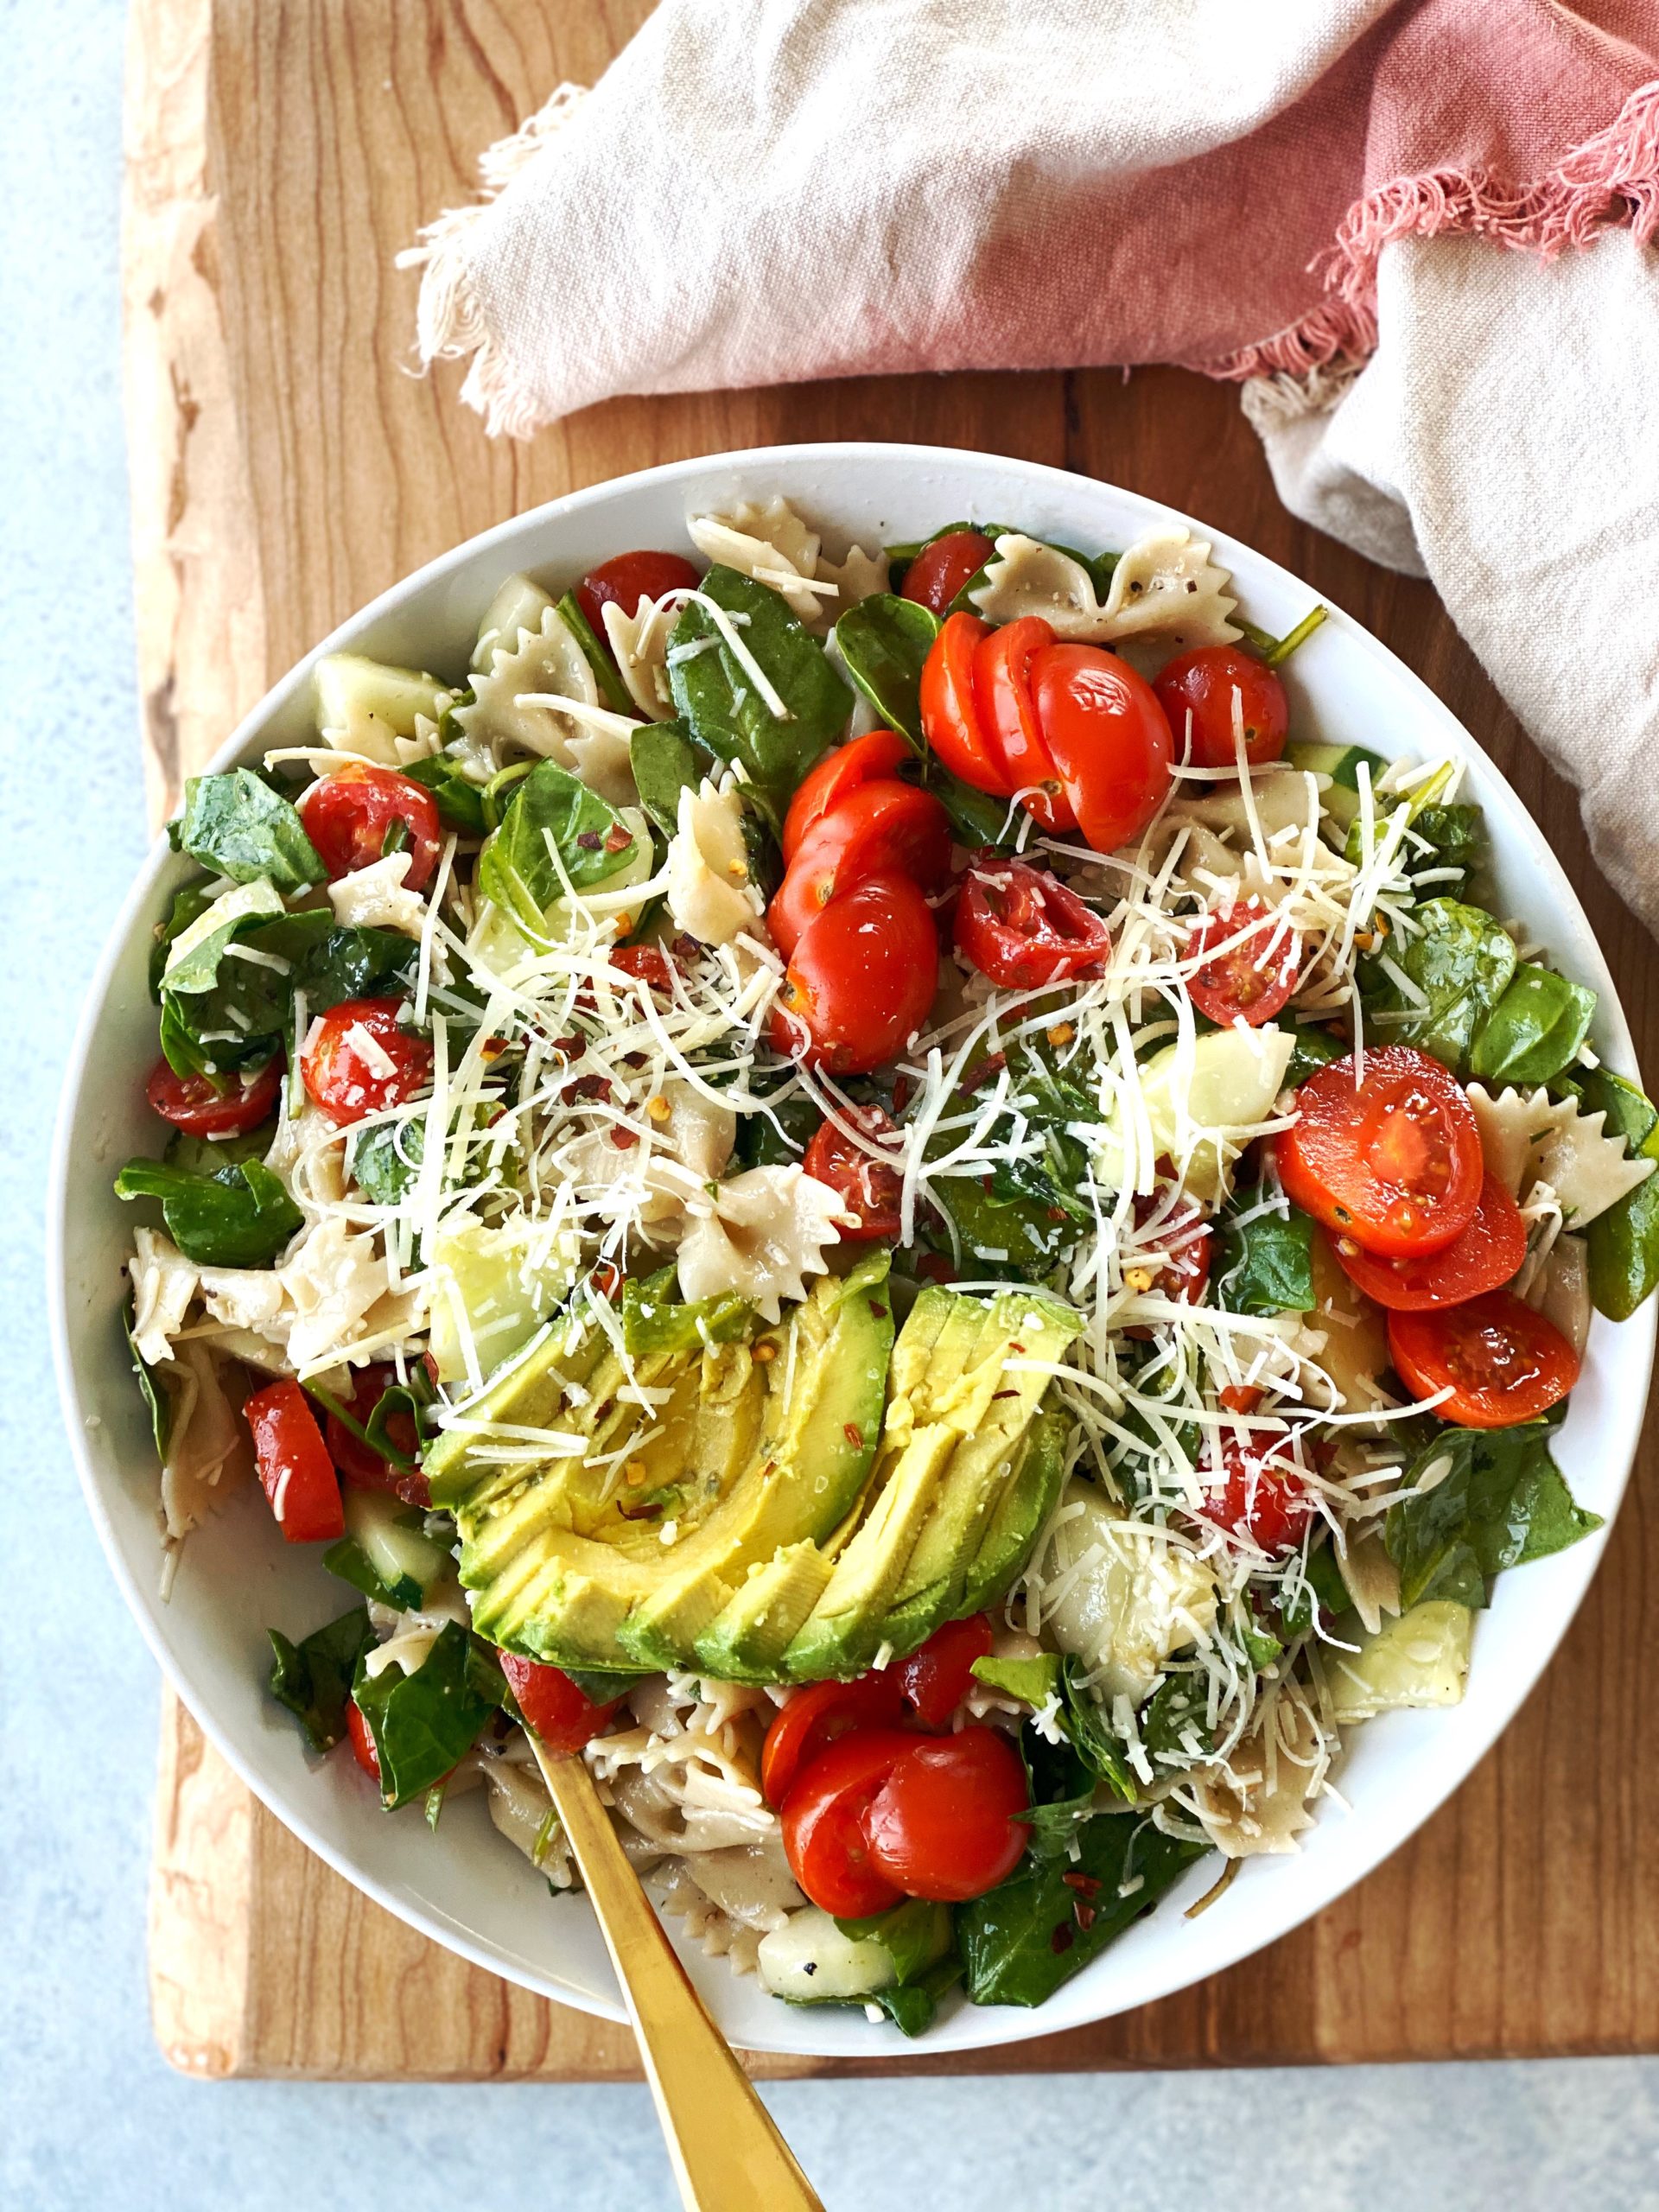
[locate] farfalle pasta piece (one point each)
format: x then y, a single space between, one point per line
1258 1803
764 1232
639 643
374 897
861 576
163 1284
1166 585
209 1449
1527 1137
773 546
508 704
708 891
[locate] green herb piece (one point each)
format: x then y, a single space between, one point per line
421 1724
1281 652
1535 1031
215 1223
1502 1502
155 1395
596 653
551 811
655 1319
238 826
1093 1738
1266 1263
384 1160
313 1678
459 800
1624 1239
1032 1681
1461 962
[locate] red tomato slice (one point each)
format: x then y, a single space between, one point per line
1504 1363
562 1716
1258 1492
1008 718
935 1679
951 719
823 1821
1484 1256
815 1717
877 753
191 1104
1254 965
884 828
1108 738
868 1188
647 964
861 981
366 1470
361 1060
945 1824
295 1472
628 579
1023 928
1202 685
363 1751
1393 1162
349 815
941 570
1180 1266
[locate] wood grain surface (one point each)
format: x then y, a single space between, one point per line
286 467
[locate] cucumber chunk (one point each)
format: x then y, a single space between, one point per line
391 1536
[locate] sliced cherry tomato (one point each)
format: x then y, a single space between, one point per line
1253 965
1180 1266
1202 685
1393 1160
951 720
867 1187
295 1472
942 568
823 1821
191 1104
1108 738
629 578
1260 1493
1504 1363
361 1060
357 1727
935 1679
1023 928
877 753
817 1717
945 1824
1008 715
1484 1256
349 815
860 982
562 1716
647 964
366 1470
884 828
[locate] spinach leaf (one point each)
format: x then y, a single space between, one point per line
654 1319
1093 1738
915 1935
596 653
1536 1029
1032 1681
188 904
154 1394
422 1723
550 810
884 640
1504 1502
1624 1239
238 826
1312 1048
1321 1591
1461 962
385 1160
1054 1916
215 1223
459 800
219 1157
666 760
193 956
597 1684
911 2006
717 698
249 1008
313 1678
760 1143
1447 836
1175 1717
1267 1263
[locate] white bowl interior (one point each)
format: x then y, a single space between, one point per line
467 1889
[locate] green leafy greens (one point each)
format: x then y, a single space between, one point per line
242 1221
551 812
238 826
1502 1502
313 1678
421 1724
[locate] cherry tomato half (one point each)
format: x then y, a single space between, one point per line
823 1821
866 1186
357 1727
647 964
629 578
1024 929
1107 734
1179 1267
1484 1256
295 1472
878 752
860 982
1392 1161
562 1716
366 1470
951 719
1504 1363
349 815
1253 965
1007 716
945 1824
940 570
817 1717
361 1060
934 1680
1202 685
1258 1492
883 828
191 1104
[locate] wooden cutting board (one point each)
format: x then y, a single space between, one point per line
286 467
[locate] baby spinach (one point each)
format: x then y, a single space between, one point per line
884 640
1175 1712
219 1157
1624 1239
156 1401
666 760
1321 1591
1093 1738
1447 836
238 826
1502 1502
550 813
1461 962
188 906
1535 1031
384 1160
1311 1047
914 1935
459 800
313 1678
217 1224
248 1009
596 653
421 1724
1007 1235
1266 1264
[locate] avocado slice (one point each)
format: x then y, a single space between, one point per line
745 1641
1020 1512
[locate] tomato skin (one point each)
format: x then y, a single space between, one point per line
295 1472
940 570
881 828
1108 737
338 1075
191 1104
1023 928
877 753
818 1716
945 1824
1008 715
1483 1258
1248 981
861 981
647 964
362 1468
1504 1363
822 1820
1261 1494
563 1717
348 816
868 1188
363 1751
1188 1244
1202 683
934 1680
627 579
1394 1163
951 719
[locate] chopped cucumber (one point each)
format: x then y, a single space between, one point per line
1342 764
809 1959
365 706
391 1536
1420 1659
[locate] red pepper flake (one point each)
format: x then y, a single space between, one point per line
617 839
687 947
589 840
588 1086
624 1139
1016 1347
995 1394
1063 1938
854 1434
878 1309
1086 1886
985 1071
605 1278
571 1047
933 1266
1086 1917
900 1093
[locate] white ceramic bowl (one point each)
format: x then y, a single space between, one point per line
466 1888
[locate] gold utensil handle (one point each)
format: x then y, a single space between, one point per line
728 2156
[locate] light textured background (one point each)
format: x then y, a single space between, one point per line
89 2115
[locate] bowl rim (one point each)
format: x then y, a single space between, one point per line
993 2026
